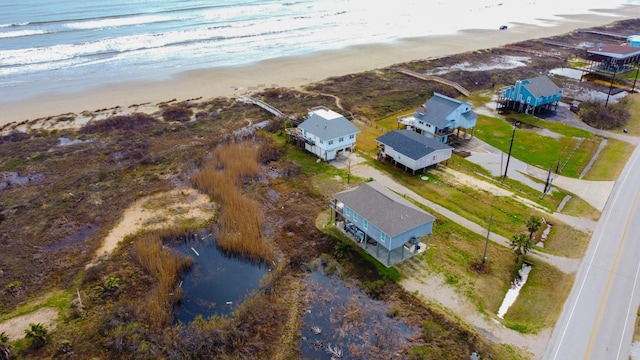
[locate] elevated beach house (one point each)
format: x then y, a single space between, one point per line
607 61
327 134
439 117
530 96
412 150
386 225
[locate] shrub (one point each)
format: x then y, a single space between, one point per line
177 113
37 335
133 122
598 116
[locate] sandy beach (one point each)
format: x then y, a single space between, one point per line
293 71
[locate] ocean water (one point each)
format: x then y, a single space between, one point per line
53 45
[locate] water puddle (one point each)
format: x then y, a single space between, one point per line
217 282
341 321
513 293
77 238
567 72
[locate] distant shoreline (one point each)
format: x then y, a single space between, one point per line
292 72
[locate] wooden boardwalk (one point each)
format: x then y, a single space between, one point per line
269 108
534 52
606 33
562 44
453 84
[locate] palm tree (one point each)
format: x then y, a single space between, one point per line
342 249
521 244
5 347
37 335
533 224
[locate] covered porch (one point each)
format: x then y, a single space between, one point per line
380 253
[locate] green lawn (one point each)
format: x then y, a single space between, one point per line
540 150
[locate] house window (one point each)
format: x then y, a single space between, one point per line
434 158
383 236
305 133
365 224
352 136
330 142
341 139
355 216
321 141
347 211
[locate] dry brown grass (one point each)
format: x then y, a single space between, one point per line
241 219
166 266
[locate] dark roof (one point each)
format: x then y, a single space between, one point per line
411 144
383 208
541 86
438 108
615 51
328 129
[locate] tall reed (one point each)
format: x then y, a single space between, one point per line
166 266
241 220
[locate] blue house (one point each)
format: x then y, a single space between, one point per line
634 40
412 150
389 227
530 96
440 117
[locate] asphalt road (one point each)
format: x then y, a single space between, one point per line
597 321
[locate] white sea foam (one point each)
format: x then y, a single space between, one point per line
117 22
18 33
127 37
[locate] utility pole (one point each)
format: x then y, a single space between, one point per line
486 244
613 78
513 135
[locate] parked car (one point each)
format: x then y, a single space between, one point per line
575 105
503 27
357 233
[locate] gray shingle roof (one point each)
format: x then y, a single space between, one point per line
383 208
541 86
328 129
411 144
438 108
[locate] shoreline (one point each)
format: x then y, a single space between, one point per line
294 71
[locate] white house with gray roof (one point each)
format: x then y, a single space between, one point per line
412 150
439 116
391 224
327 133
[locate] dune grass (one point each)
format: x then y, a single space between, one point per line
166 267
241 220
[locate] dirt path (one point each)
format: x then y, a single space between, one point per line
432 289
150 212
15 327
157 211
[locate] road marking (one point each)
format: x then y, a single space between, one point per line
595 251
626 320
612 274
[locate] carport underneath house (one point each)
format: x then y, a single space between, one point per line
387 226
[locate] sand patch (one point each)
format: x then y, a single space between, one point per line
157 212
472 182
15 327
475 183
